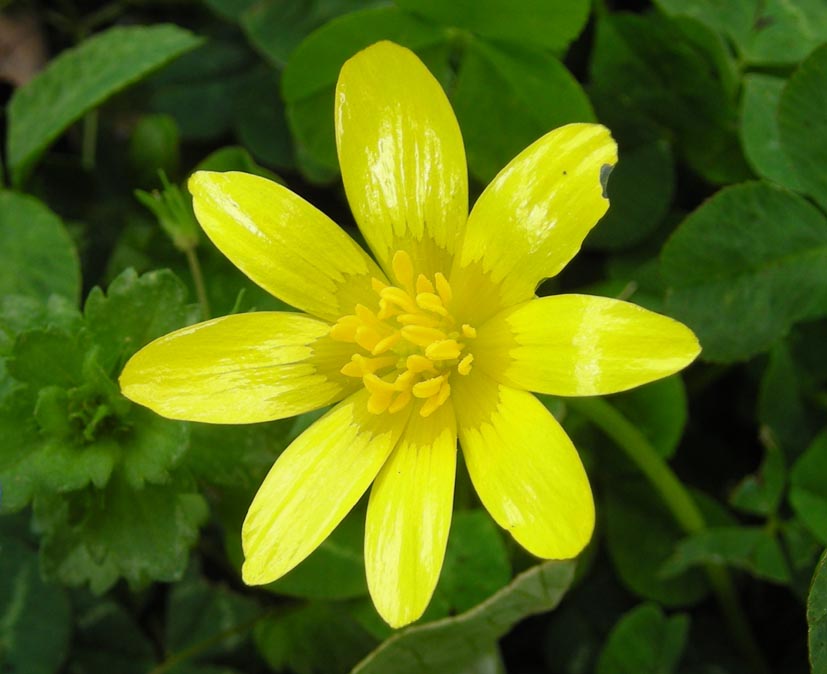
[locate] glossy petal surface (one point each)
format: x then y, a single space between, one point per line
284 244
313 485
409 516
532 218
524 468
402 157
581 345
238 369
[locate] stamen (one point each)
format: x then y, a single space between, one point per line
403 268
443 288
464 366
400 298
431 302
468 331
428 388
423 285
416 363
386 343
400 402
446 349
422 336
418 319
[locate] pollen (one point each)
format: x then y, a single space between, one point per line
409 346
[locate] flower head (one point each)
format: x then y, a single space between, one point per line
440 338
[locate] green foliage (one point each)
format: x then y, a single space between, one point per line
37 257
97 69
817 618
709 486
716 265
644 641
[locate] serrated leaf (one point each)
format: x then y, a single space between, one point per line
314 638
37 257
35 617
98 68
808 488
506 98
744 267
644 641
452 644
310 76
545 25
817 618
134 311
752 549
803 126
142 535
766 32
760 133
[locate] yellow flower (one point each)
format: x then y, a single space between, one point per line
440 338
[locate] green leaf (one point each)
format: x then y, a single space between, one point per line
782 407
761 494
817 618
35 617
277 27
641 536
452 644
753 549
760 133
98 536
808 488
199 613
134 311
535 23
803 125
98 68
506 98
640 191
37 257
653 77
766 32
644 641
107 640
476 562
47 357
659 411
312 639
206 89
310 77
744 267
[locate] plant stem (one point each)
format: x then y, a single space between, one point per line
683 509
89 140
198 281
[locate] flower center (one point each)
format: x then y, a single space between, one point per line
410 344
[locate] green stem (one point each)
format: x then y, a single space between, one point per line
89 140
198 281
683 509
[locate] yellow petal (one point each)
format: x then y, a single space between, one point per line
313 485
238 369
531 220
525 469
284 244
580 345
402 157
409 516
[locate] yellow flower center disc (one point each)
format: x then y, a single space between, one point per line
410 345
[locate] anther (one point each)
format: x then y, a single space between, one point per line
403 268
421 335
428 388
443 288
446 349
464 366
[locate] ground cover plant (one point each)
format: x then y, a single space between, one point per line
121 529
